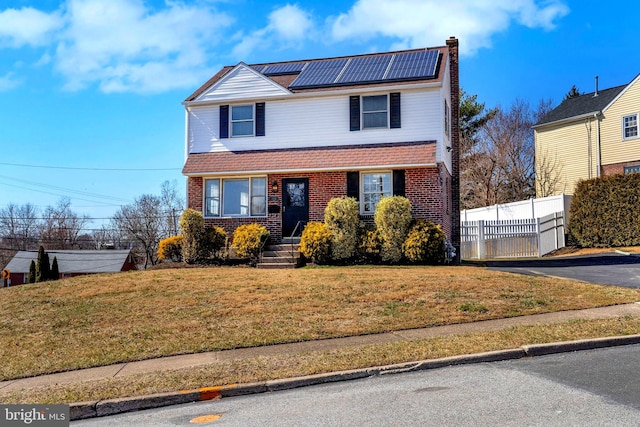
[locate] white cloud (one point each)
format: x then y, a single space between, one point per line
418 23
9 82
288 26
124 47
27 26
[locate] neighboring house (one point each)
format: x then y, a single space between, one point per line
588 136
273 143
73 263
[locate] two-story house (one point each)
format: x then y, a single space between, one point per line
588 136
273 143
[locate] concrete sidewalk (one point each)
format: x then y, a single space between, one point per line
89 409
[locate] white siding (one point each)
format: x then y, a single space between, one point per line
319 121
243 83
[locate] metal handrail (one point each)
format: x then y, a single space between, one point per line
293 233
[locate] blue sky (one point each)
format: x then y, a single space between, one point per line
91 90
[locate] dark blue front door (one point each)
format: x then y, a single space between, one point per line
295 205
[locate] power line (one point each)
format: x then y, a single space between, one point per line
90 169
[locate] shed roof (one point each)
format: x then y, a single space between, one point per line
74 261
344 157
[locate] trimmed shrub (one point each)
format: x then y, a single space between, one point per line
315 243
192 226
342 217
54 274
31 277
43 268
369 244
215 240
170 249
425 243
248 240
392 219
604 211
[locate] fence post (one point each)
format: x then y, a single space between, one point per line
539 235
481 251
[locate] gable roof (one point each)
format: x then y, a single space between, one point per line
406 66
582 105
74 261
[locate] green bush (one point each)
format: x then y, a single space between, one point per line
315 243
341 217
369 244
170 249
248 240
192 226
604 211
425 243
392 218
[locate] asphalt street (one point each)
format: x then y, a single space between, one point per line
594 387
605 269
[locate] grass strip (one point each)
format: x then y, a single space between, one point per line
309 363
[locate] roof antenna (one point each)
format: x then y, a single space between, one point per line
596 92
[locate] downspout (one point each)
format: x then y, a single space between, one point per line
596 116
587 125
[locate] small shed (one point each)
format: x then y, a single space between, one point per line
72 263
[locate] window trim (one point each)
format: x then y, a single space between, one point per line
361 190
220 197
624 127
252 120
386 111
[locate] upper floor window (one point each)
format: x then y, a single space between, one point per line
630 126
242 120
236 197
374 111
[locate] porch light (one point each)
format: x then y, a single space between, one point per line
274 187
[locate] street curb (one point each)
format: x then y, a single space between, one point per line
83 410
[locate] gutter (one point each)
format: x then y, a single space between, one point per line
568 119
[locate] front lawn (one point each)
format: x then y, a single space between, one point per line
104 319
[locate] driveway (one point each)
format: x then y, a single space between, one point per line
605 269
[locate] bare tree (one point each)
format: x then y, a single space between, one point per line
500 166
143 222
19 226
173 205
60 226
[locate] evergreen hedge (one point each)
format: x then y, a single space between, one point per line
604 211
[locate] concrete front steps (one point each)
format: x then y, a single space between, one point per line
284 255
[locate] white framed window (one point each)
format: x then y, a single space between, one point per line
374 186
242 120
630 126
447 119
631 169
375 111
235 197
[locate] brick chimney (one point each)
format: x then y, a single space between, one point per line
452 44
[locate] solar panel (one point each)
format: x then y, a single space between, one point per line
413 64
365 69
258 68
320 73
279 69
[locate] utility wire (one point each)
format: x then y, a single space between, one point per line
90 169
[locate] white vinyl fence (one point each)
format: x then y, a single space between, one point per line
530 237
532 208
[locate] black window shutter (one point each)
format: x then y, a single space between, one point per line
260 119
354 113
398 182
353 185
394 106
224 121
